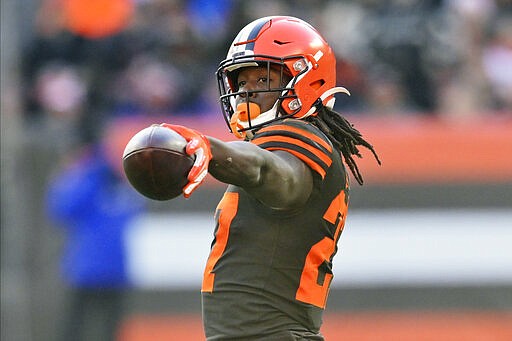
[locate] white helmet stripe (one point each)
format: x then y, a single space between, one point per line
248 33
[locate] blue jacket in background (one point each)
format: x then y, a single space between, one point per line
94 205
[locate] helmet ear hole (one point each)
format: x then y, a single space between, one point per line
317 84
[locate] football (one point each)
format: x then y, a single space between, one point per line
156 164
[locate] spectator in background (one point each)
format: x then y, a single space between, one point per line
497 63
462 90
398 40
147 87
94 205
385 94
432 48
383 38
60 94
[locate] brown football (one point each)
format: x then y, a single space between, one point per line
156 164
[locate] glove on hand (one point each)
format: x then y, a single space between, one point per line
198 145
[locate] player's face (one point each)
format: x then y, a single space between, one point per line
258 78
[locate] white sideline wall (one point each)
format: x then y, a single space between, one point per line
377 248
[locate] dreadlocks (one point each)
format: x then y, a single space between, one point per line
343 134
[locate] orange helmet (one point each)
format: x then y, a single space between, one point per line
300 51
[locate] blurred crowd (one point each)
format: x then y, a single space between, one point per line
397 57
87 63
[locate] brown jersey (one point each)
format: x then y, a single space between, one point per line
269 271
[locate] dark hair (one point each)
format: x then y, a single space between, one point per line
343 134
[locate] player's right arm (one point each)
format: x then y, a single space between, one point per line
277 179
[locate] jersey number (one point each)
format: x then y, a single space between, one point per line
312 289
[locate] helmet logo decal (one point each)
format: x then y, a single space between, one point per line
281 42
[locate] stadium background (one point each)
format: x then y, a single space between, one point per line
425 254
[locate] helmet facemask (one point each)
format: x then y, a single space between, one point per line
242 118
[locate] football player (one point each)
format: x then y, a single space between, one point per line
279 221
